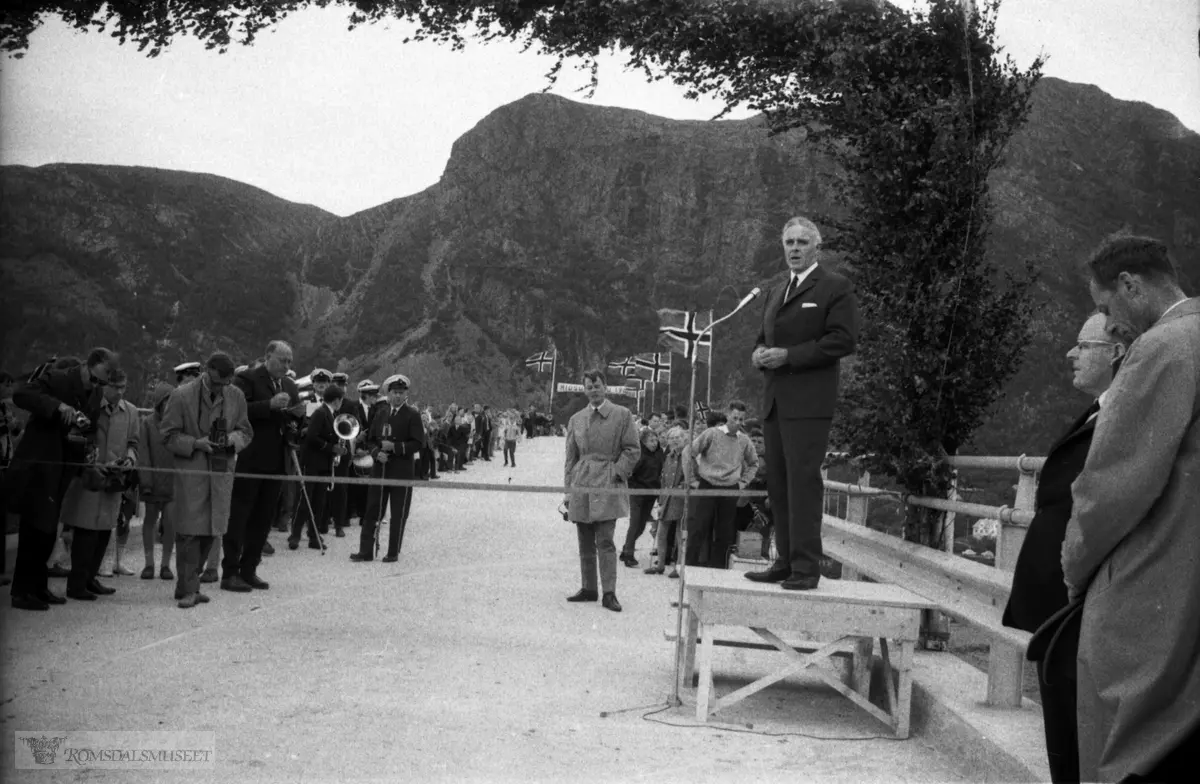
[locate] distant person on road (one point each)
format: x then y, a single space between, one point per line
1132 548
1038 590
601 451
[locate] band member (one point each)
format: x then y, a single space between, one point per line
344 500
395 439
205 425
187 371
63 405
93 499
273 405
317 455
810 321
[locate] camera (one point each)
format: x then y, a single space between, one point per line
218 437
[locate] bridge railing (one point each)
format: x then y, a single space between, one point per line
973 593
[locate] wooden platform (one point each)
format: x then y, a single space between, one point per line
842 615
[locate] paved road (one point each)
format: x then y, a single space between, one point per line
460 662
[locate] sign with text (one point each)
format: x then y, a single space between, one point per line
151 750
561 387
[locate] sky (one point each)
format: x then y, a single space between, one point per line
348 120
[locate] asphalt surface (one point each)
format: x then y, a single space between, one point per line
462 662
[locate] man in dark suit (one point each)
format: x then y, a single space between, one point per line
810 321
56 436
273 402
321 447
1039 589
395 439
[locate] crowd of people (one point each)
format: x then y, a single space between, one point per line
206 466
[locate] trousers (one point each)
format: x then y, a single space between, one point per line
87 553
191 553
795 452
596 545
639 514
252 510
712 521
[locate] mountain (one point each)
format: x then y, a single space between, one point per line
553 220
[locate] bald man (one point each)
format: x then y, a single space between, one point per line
1039 589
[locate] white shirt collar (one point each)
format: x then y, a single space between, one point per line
1168 310
1100 401
798 277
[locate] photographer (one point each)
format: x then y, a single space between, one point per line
205 425
93 499
62 404
274 408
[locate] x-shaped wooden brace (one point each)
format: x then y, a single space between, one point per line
799 662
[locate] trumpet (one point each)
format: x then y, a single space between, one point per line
347 428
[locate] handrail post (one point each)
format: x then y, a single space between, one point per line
857 507
1006 663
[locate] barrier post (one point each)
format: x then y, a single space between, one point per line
1006 663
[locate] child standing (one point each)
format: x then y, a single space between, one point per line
670 507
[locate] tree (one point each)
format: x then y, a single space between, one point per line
915 109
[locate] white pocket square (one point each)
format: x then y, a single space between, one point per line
808 304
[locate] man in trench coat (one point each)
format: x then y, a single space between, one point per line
200 507
1132 547
602 450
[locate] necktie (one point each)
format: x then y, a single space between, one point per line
791 288
1093 411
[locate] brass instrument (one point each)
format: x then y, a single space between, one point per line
347 428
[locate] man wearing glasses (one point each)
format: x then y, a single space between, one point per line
1039 589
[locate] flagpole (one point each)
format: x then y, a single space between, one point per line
670 368
712 351
553 376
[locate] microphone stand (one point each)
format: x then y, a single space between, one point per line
682 534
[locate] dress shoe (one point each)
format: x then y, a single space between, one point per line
254 581
293 544
268 549
100 589
629 561
391 558
235 584
165 573
82 596
189 601
584 595
148 572
50 598
653 570
776 574
202 598
340 533
673 574
359 557
23 601
610 602
208 576
800 583
120 570
57 571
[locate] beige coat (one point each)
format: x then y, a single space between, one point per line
117 436
200 506
602 450
1132 550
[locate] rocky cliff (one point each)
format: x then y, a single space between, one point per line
552 220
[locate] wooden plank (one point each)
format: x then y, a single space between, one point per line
835 591
799 662
737 637
860 672
817 620
904 689
706 678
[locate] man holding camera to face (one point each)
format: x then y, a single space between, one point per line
205 424
63 405
274 409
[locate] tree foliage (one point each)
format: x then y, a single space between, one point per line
915 108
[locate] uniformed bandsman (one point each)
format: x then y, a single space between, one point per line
394 439
186 372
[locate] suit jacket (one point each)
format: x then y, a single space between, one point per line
818 325
406 431
37 479
1132 550
267 452
1038 589
319 440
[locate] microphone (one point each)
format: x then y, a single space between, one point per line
746 299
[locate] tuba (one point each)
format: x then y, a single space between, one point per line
348 428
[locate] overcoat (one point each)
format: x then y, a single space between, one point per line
602 450
157 486
117 435
200 506
1132 549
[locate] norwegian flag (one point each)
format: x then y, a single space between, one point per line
702 410
626 367
541 362
657 366
635 383
679 330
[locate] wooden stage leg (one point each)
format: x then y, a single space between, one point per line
706 676
860 670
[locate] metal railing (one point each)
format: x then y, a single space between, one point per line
973 593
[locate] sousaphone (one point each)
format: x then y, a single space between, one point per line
347 428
